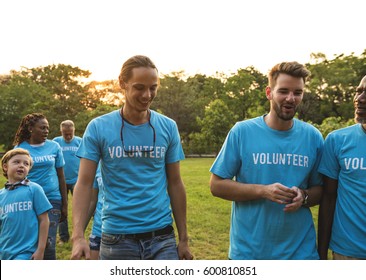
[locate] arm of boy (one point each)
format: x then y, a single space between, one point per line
43 223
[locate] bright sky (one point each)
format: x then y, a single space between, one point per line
197 36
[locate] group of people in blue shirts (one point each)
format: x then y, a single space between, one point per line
272 167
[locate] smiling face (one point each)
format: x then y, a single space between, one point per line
285 96
17 168
359 102
141 88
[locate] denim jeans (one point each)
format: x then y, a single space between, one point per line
54 215
118 247
63 230
94 242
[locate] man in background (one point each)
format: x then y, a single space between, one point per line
69 144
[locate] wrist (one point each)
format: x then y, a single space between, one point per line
305 197
76 238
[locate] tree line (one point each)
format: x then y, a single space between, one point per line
204 107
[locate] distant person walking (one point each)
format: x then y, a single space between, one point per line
69 143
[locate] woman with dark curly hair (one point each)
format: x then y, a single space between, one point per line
47 170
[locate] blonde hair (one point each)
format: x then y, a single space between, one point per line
9 154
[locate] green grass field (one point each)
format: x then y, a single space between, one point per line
208 217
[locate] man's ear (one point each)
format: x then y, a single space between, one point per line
269 93
122 84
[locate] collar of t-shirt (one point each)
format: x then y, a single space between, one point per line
11 187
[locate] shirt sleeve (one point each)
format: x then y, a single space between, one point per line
329 165
89 146
175 151
226 165
60 162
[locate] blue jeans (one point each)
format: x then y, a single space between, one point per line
119 247
63 230
94 242
54 215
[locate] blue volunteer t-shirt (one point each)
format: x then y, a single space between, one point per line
344 159
256 154
135 184
19 211
72 162
46 157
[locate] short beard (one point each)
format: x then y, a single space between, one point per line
361 120
283 116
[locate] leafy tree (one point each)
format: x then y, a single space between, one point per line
334 82
245 93
185 100
108 92
19 96
332 123
216 124
201 91
84 117
68 93
58 91
196 144
175 101
309 108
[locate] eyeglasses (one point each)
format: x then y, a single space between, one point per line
134 151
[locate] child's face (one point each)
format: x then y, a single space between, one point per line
17 168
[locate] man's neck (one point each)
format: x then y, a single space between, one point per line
276 123
135 117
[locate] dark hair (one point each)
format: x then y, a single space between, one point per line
293 69
131 63
26 123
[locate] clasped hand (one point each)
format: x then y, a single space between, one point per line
281 194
